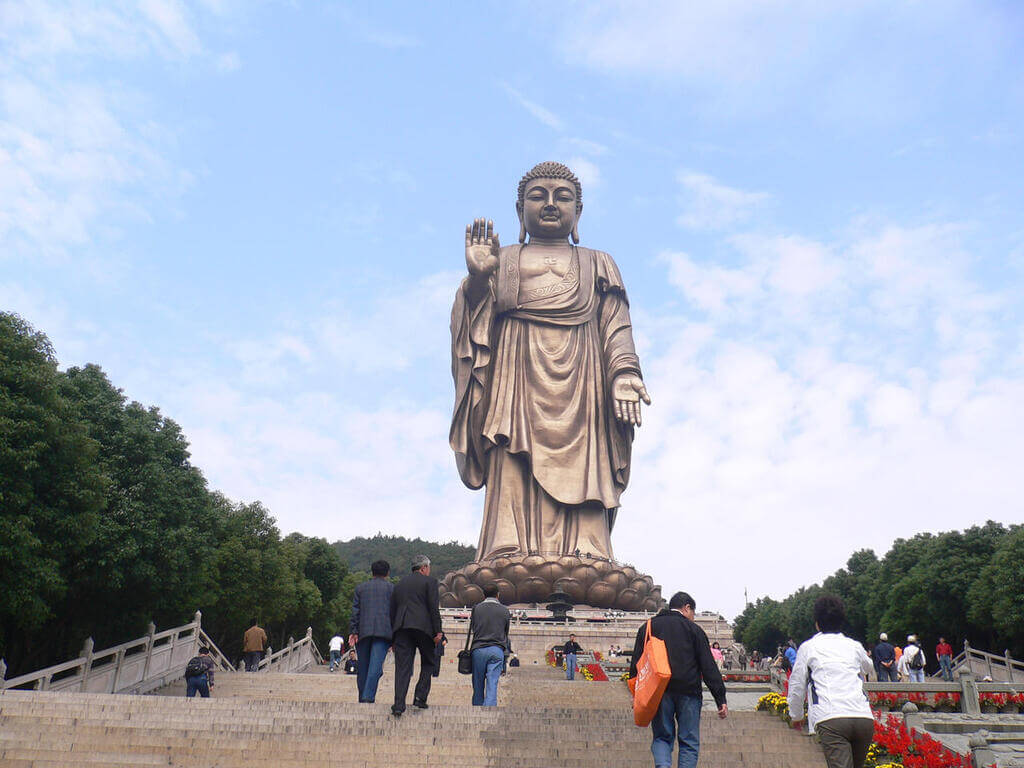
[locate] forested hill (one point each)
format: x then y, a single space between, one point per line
960 585
399 551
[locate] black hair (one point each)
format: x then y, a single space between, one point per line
490 589
204 649
829 613
253 623
681 599
380 568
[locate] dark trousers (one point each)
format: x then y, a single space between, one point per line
197 684
845 740
405 644
252 660
887 674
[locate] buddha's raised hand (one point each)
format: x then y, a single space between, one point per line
482 248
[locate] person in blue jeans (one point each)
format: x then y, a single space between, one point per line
371 629
489 627
203 682
690 660
569 652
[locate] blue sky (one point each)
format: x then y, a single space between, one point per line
251 215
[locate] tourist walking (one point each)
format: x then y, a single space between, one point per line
690 660
569 651
199 674
370 629
832 667
884 658
334 646
416 621
944 653
254 643
489 628
911 663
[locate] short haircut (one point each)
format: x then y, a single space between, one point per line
204 649
681 599
420 561
490 589
829 613
253 622
380 568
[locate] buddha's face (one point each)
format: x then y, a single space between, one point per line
549 208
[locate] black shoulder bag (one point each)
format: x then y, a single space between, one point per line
465 655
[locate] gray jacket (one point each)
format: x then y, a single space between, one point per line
371 609
489 624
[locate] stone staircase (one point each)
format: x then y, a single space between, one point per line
278 720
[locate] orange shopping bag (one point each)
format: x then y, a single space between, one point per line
652 676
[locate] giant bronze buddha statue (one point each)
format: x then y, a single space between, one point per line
547 395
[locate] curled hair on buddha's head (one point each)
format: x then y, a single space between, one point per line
549 170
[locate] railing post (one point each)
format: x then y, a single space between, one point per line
87 665
118 661
268 653
1009 665
150 631
3 674
195 632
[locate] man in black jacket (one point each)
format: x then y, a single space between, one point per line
416 622
690 659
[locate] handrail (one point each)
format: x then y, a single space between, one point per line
993 663
297 656
137 666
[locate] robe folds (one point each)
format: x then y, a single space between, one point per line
533 418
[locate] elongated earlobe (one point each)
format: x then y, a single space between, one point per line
522 231
575 235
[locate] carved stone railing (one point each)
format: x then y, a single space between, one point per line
138 666
982 664
297 656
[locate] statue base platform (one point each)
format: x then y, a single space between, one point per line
527 579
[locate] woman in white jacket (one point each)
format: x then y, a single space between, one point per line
829 673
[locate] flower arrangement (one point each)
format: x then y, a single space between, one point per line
896 745
745 677
624 677
992 702
594 672
947 702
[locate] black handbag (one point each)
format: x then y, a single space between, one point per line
466 655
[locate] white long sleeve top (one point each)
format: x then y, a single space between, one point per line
910 652
829 674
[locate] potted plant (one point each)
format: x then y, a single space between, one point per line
1013 705
947 702
991 702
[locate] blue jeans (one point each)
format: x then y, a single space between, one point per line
370 653
570 666
684 709
335 660
946 662
197 684
487 665
916 675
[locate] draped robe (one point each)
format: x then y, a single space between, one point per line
533 418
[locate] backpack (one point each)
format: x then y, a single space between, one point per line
917 662
195 667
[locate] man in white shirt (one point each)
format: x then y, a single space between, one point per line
829 673
336 645
912 661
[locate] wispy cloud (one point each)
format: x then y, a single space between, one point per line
709 204
542 114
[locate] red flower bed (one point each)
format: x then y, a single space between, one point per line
739 677
913 749
597 672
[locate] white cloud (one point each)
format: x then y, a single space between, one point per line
546 116
709 204
819 398
587 171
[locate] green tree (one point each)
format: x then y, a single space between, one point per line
51 492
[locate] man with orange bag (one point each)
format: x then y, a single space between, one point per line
690 660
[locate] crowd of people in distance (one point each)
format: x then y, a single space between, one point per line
405 619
